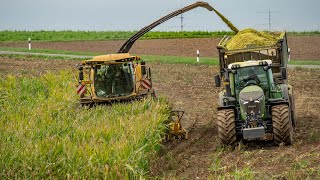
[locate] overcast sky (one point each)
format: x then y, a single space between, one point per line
101 15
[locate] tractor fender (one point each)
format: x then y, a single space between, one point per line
285 91
227 107
221 96
274 102
290 89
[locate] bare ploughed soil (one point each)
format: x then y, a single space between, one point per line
302 47
33 66
190 88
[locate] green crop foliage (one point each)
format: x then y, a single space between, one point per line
101 35
12 36
44 133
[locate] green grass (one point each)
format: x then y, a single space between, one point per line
305 62
49 51
147 58
304 33
45 134
114 35
101 35
179 60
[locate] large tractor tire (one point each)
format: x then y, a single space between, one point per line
226 127
282 126
293 111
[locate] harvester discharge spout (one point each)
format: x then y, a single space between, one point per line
129 43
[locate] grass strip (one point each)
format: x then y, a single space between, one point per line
49 51
12 36
47 36
147 58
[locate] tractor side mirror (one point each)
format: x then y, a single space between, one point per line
143 68
149 72
81 75
217 80
265 68
284 74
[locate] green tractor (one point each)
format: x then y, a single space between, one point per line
256 101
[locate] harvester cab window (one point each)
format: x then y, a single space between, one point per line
113 80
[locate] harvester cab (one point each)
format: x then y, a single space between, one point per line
256 101
114 77
117 77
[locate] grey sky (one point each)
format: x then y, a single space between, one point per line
100 15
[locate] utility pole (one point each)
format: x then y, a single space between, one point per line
269 16
181 21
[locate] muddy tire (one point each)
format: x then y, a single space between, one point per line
226 127
282 126
293 111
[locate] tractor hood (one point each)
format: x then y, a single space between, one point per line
251 100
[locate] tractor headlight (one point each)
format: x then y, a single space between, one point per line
243 101
258 100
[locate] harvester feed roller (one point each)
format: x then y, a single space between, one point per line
174 127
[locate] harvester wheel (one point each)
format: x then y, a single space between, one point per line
293 111
226 127
282 127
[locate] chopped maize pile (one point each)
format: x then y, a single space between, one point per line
251 38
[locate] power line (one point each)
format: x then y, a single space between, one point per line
181 26
181 20
269 16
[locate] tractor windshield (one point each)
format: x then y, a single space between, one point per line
112 80
252 75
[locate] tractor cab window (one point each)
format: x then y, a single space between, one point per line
252 75
113 80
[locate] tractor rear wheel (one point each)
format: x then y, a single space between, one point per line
226 127
282 126
293 111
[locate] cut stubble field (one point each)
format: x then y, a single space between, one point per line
191 88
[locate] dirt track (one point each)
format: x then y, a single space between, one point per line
302 47
191 88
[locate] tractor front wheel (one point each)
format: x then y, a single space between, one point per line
226 127
282 127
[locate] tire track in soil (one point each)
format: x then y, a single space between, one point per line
191 89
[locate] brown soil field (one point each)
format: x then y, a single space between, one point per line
191 88
302 47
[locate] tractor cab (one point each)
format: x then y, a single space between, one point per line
249 87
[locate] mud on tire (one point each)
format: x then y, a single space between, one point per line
282 126
226 127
